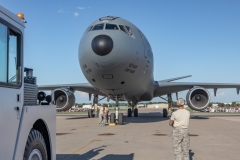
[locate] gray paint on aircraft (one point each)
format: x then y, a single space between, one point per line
129 63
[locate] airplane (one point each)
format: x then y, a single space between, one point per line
117 61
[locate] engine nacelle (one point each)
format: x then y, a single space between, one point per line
64 99
198 98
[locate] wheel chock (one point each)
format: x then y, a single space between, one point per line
112 124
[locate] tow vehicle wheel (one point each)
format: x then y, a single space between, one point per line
129 112
165 113
35 148
120 118
135 112
112 118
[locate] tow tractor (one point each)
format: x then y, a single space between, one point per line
27 129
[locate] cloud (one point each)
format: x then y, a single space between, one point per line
76 14
81 8
62 11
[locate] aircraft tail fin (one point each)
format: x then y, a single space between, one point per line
174 79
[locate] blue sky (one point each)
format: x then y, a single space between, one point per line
199 38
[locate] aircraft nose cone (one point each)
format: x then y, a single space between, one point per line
102 45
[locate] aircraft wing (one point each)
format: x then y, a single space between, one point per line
167 87
83 87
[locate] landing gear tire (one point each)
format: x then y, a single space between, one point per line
96 114
165 113
90 114
112 118
35 147
129 112
135 112
120 118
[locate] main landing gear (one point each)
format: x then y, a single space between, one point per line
133 111
169 111
94 110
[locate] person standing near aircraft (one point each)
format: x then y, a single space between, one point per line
106 114
101 115
180 138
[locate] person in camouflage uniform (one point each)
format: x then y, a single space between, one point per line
180 137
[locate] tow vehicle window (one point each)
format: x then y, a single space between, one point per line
12 58
10 61
111 26
3 53
98 27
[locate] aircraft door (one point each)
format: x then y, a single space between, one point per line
11 88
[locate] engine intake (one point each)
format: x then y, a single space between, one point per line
64 99
198 98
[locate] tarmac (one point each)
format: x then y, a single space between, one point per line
213 136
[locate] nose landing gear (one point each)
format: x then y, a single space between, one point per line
116 118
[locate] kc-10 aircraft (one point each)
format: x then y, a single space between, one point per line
117 60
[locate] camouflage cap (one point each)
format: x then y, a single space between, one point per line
180 102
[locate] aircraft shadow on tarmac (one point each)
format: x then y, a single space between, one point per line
77 117
94 152
145 118
197 117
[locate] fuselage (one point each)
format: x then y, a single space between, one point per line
117 59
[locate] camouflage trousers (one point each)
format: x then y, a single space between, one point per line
101 119
181 143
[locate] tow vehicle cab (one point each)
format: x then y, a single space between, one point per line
20 114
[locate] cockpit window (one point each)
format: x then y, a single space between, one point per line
111 26
98 27
130 32
123 29
128 28
89 28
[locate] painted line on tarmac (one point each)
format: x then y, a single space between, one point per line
88 144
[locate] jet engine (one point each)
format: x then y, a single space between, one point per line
64 99
198 98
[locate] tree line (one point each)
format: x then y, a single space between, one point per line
220 104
